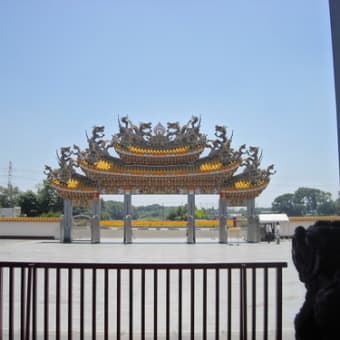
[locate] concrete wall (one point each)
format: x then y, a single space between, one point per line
42 228
287 228
29 229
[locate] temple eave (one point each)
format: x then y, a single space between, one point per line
234 194
142 173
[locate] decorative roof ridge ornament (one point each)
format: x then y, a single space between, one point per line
159 130
174 135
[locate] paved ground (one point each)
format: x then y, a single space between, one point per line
112 250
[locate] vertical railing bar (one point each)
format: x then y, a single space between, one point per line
106 304
130 304
57 303
245 302
241 305
82 309
28 304
155 303
253 304
205 298
118 302
278 303
34 304
11 304
167 304
180 273
143 304
192 301
229 302
22 304
70 283
46 303
94 303
265 304
217 304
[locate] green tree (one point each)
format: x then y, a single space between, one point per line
305 201
150 212
286 204
9 196
326 208
201 214
311 199
28 201
104 215
115 210
337 206
178 214
49 201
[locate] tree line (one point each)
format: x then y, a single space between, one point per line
46 202
307 201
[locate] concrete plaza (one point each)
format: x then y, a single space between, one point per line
111 250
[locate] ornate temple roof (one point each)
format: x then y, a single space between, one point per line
143 159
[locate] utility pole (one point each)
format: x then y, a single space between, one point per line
9 185
334 10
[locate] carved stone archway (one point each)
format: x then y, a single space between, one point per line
163 160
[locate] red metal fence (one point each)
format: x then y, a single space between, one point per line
141 300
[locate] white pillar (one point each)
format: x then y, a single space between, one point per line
223 216
95 220
127 218
66 234
191 231
252 233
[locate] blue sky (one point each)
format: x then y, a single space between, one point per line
262 68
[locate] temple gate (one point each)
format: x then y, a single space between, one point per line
163 160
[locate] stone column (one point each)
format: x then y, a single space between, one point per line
66 232
95 220
252 232
191 231
127 218
61 228
223 216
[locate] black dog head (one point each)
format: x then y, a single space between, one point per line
316 251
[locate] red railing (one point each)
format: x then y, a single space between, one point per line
141 300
